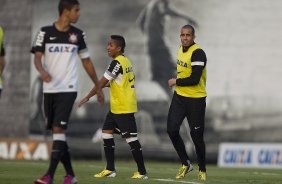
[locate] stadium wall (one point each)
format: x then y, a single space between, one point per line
16 18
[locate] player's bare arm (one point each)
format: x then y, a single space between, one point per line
89 68
44 75
103 83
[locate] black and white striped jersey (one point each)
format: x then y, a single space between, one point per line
60 50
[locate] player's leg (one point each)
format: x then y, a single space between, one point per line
176 115
127 126
64 103
57 108
175 118
109 148
48 177
196 119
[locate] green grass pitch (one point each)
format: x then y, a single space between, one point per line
24 172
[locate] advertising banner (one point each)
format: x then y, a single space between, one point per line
266 155
24 149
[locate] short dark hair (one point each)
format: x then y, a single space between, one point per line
66 4
188 26
120 41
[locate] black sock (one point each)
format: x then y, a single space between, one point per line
109 148
66 160
56 154
179 147
138 156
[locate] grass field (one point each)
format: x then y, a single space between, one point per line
24 172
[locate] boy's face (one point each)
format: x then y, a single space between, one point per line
113 49
73 14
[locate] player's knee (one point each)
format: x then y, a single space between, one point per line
59 142
127 135
131 139
108 140
59 146
59 137
172 133
107 136
134 144
197 131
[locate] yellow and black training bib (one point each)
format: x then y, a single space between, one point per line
122 93
184 70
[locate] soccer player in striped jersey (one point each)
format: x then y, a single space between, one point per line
189 100
120 119
55 49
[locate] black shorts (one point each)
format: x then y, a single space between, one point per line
57 107
191 108
123 124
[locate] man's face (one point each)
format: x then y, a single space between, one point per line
113 49
186 36
73 14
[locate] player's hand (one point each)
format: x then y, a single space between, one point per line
45 76
83 101
100 96
171 82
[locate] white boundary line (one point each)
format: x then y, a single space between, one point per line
176 181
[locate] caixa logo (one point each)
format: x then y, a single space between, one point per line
270 157
69 49
237 156
24 150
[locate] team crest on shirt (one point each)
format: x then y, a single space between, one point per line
73 38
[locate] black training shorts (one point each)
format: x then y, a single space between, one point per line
123 124
57 107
